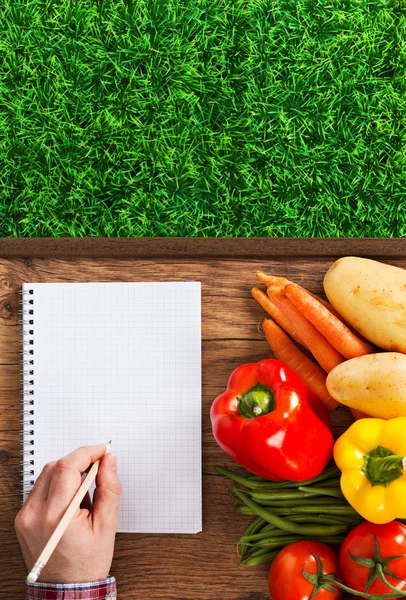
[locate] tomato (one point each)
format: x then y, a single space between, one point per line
286 580
391 541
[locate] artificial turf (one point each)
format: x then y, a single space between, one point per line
210 117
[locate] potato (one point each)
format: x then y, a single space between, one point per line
370 296
374 384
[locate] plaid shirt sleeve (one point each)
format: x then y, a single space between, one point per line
95 590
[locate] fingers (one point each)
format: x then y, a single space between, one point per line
106 498
67 476
40 490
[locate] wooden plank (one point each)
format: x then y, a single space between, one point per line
200 248
159 567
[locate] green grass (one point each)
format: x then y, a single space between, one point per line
202 117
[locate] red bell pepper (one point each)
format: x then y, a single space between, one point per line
270 423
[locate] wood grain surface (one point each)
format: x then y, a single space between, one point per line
161 567
200 248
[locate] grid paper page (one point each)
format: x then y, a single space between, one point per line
122 361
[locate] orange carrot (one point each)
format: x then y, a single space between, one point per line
322 350
310 373
272 280
326 304
276 314
334 330
357 414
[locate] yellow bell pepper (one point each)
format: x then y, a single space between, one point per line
371 455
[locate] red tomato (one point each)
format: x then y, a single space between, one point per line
391 539
285 575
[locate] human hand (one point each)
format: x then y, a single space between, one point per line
85 550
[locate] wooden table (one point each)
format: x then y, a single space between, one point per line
161 567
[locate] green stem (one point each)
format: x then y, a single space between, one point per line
391 596
321 581
382 466
256 402
386 582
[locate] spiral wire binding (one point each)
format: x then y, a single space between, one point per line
28 407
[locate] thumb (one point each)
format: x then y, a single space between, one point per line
106 498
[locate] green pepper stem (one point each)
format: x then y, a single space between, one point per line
256 402
382 466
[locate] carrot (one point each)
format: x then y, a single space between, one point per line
322 350
272 280
334 330
357 414
276 314
326 304
310 373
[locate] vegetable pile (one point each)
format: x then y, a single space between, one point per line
273 421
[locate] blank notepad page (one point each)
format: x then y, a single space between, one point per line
122 361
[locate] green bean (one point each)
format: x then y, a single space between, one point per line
327 473
318 517
244 510
270 531
301 502
335 492
349 519
255 526
276 495
321 519
273 532
258 551
252 561
289 526
262 553
326 483
251 529
279 485
268 527
280 542
290 539
316 510
258 485
320 480
264 531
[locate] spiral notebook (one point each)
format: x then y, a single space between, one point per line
119 361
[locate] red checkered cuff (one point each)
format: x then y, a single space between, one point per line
95 590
